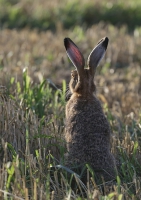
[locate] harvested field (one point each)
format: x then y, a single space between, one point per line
32 142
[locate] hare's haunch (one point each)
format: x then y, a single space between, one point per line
87 129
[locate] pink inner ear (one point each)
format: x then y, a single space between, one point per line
74 53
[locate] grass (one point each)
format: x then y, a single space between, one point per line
32 111
33 147
46 15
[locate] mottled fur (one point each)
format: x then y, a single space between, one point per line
87 129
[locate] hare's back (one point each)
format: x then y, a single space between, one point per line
86 116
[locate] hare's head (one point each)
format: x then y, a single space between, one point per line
81 82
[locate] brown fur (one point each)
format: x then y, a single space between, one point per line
87 129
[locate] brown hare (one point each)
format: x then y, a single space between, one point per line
87 129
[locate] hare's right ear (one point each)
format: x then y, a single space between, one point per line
97 54
74 54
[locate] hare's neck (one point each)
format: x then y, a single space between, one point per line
83 97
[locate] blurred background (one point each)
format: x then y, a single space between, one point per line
32 34
32 114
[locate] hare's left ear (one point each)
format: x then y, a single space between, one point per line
74 54
97 54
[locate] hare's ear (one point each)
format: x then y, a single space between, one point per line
97 54
74 54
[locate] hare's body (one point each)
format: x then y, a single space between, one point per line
87 129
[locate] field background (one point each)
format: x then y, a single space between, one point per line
34 72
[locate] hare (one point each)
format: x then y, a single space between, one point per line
87 129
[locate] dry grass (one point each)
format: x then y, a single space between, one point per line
44 55
28 168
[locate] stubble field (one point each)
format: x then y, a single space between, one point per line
32 112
